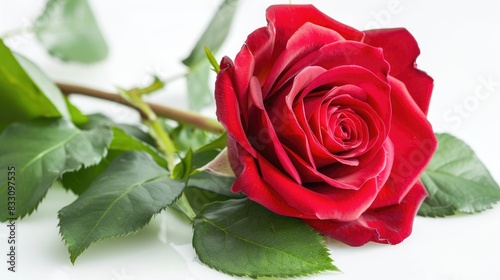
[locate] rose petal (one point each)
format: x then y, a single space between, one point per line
323 200
343 176
377 95
345 99
243 69
414 144
262 134
228 109
340 54
401 51
250 182
284 119
260 44
389 225
281 15
307 39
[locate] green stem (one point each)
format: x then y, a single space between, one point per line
163 139
156 128
157 84
185 117
183 205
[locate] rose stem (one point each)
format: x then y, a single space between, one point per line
189 118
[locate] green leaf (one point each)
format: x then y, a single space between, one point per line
77 117
198 198
46 85
199 93
208 152
95 120
25 92
215 34
183 169
457 181
137 133
212 60
79 181
200 159
217 184
119 202
186 137
126 137
124 142
242 238
217 144
41 151
155 85
69 31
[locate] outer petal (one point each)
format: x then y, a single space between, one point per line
309 38
281 15
389 225
260 45
401 51
323 200
414 144
250 182
341 53
228 108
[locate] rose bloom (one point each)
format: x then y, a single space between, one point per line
328 124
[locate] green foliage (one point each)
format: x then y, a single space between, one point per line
26 93
217 184
78 181
183 169
186 137
125 142
215 34
119 202
41 151
69 31
242 238
457 181
77 117
198 198
199 93
212 60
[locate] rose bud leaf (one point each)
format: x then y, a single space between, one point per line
457 181
242 238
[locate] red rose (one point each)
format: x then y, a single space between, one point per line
328 124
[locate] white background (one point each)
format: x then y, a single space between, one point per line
460 46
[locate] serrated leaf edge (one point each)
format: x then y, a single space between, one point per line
73 257
293 275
